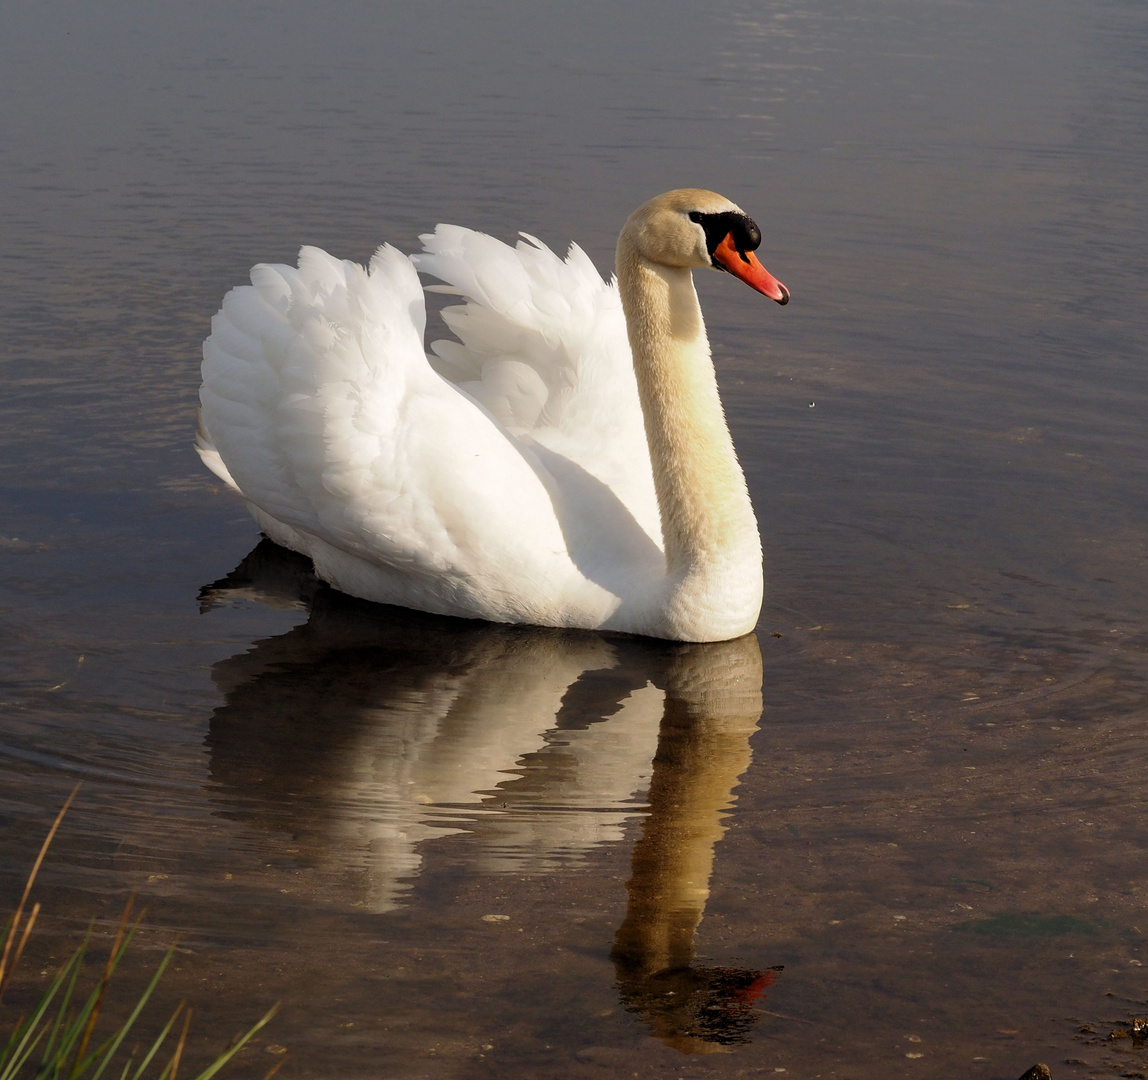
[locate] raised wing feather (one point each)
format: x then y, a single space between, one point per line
321 406
542 344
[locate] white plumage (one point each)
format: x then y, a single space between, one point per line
507 478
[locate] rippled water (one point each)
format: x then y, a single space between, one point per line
901 831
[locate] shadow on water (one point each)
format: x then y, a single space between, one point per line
369 730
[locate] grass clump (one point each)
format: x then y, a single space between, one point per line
56 1039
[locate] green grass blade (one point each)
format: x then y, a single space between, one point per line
158 1043
75 963
64 1035
80 1027
7 1051
27 1037
228 1054
25 1050
173 1065
121 1034
71 1036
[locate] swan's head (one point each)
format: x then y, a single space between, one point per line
692 228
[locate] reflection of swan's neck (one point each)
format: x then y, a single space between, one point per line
713 552
713 704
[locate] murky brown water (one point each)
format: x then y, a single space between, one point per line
900 832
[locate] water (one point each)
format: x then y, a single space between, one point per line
908 818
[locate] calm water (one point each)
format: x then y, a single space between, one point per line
900 832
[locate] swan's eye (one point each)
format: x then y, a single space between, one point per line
717 226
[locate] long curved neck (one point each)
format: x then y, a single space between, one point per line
708 527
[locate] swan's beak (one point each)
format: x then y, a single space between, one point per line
745 265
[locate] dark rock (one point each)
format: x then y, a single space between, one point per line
1038 1072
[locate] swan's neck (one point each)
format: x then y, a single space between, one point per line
713 552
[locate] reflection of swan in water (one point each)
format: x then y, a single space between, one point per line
368 730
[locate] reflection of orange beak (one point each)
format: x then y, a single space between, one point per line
755 989
745 265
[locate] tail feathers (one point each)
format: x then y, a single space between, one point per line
205 448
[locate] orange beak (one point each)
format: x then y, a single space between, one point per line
745 265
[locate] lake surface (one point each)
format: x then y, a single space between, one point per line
901 831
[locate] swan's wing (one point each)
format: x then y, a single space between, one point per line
321 407
542 344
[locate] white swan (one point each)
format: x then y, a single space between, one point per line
566 462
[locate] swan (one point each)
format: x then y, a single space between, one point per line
565 462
